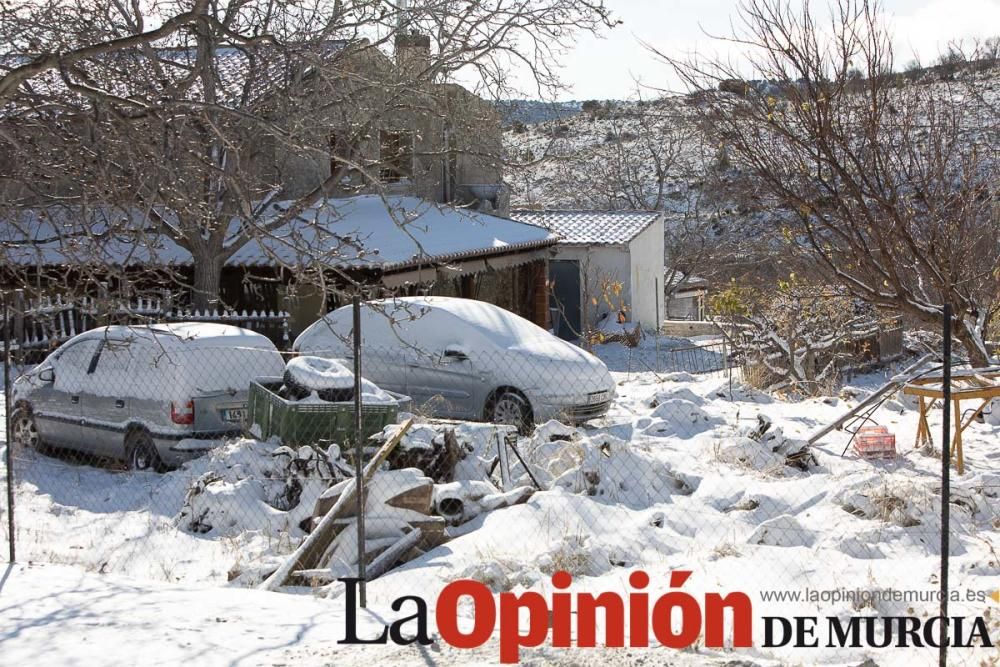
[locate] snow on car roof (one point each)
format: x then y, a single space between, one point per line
367 231
489 318
189 334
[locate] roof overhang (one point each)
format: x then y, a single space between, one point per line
465 267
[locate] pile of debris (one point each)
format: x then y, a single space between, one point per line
766 449
406 511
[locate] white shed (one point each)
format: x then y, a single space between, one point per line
608 265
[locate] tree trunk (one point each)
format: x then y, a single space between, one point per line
974 345
205 287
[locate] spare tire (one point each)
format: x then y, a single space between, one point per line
329 378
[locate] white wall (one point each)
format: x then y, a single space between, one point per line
646 275
597 263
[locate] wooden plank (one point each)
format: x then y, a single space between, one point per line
315 544
924 392
938 392
975 373
923 428
388 558
324 575
429 521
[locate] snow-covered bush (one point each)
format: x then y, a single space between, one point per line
765 449
250 485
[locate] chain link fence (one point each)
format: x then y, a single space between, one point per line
201 454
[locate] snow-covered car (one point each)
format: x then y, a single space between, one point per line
153 396
466 359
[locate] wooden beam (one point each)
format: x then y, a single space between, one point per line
316 543
938 392
388 558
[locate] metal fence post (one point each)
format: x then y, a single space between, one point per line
7 431
945 484
19 333
659 322
359 451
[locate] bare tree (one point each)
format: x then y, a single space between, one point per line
646 146
794 336
889 187
231 119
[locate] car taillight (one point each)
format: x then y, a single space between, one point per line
183 414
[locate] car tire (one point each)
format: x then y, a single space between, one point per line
306 374
509 406
24 430
140 452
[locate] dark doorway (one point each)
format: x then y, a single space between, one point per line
564 275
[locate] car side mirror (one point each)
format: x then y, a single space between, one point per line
456 353
47 375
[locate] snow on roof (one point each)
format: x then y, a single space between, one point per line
243 74
685 281
395 232
590 227
367 231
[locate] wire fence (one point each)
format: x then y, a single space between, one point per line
201 454
697 359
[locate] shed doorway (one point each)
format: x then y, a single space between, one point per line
564 298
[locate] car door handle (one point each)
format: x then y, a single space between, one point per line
119 403
74 399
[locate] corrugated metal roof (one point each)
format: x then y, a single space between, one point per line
590 227
364 232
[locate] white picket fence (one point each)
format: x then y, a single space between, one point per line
47 322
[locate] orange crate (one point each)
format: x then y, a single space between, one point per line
875 442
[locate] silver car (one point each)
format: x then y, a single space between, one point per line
153 396
467 359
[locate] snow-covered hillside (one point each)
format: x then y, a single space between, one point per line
591 159
588 160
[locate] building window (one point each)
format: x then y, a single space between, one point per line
396 156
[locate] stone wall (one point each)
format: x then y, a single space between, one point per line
685 328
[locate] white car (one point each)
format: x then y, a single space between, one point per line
153 396
466 359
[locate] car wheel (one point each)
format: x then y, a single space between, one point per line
140 452
24 430
510 407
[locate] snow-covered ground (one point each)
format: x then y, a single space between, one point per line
59 615
669 480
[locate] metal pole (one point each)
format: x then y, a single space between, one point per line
7 430
656 287
729 369
945 486
359 451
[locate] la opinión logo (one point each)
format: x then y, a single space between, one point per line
645 617
675 619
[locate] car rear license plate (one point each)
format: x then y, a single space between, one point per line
597 397
234 414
